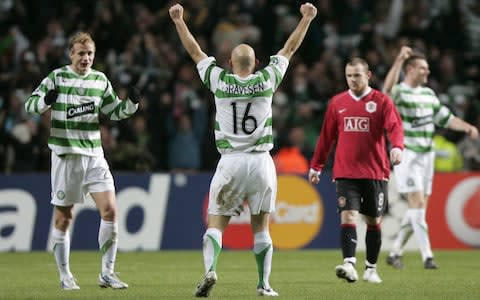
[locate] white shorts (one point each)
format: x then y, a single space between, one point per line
243 177
415 172
75 176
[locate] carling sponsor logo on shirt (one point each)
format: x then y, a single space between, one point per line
356 124
83 109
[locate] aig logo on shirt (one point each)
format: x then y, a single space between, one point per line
356 124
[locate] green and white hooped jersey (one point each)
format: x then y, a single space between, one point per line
420 110
75 128
243 119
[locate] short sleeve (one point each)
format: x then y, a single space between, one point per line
209 72
276 69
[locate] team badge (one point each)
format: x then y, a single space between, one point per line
410 182
81 91
341 201
371 106
61 195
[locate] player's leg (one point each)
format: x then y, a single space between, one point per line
61 246
408 179
263 250
262 193
98 181
373 207
65 192
348 205
224 201
212 241
107 239
212 246
395 256
417 213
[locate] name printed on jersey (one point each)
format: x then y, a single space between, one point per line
232 88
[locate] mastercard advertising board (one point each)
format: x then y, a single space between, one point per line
453 213
168 211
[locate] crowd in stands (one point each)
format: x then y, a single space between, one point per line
173 129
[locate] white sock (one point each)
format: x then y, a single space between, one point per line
108 243
403 235
263 249
212 246
420 228
369 265
61 250
352 260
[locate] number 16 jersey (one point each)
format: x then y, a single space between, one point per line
243 119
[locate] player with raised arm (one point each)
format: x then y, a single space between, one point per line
421 111
76 94
243 136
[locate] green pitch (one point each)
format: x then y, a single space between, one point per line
296 275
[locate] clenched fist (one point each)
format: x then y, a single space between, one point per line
176 12
308 10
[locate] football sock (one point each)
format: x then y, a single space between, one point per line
373 242
403 236
420 228
108 242
263 249
348 240
369 265
212 246
61 250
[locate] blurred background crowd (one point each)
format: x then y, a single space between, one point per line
172 131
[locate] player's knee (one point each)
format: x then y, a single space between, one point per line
62 222
109 213
349 216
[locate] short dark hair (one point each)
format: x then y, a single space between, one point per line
359 61
411 61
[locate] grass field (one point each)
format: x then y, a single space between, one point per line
296 275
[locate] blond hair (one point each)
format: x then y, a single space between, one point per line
82 38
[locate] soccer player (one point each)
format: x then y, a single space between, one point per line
356 121
243 136
76 94
420 110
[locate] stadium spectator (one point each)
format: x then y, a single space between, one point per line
420 110
447 155
243 133
356 121
76 94
289 158
184 146
139 48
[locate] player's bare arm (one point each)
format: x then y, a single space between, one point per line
394 72
187 39
295 39
460 125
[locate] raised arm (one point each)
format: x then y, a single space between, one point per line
188 41
394 72
308 12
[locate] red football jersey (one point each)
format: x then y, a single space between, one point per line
358 127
